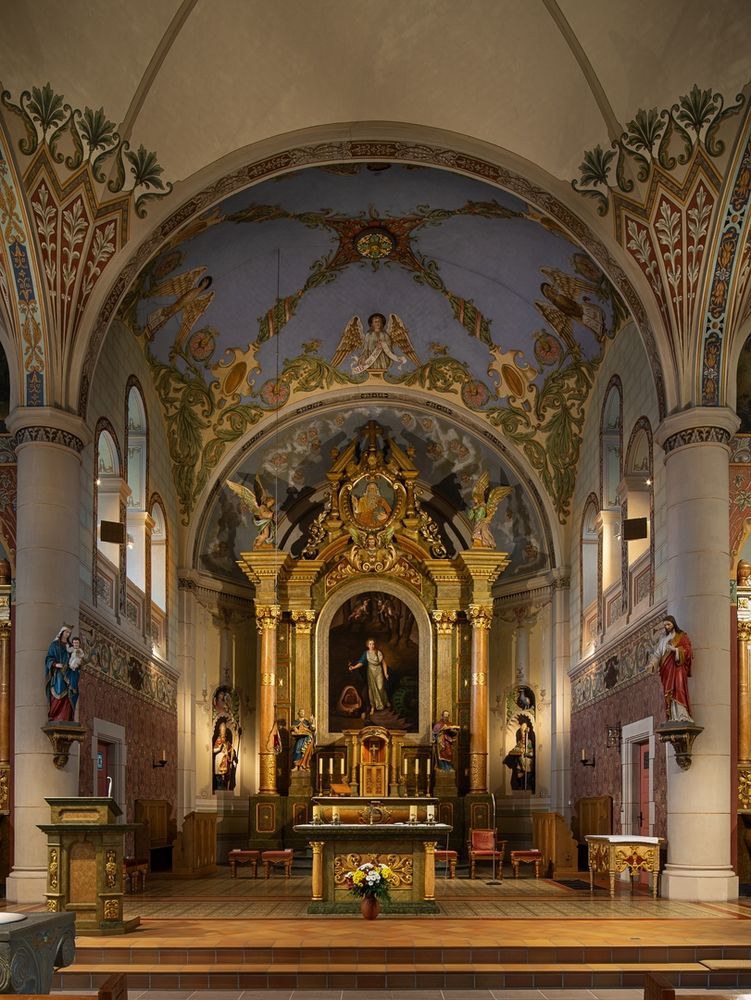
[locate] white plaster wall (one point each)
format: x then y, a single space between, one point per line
120 358
627 358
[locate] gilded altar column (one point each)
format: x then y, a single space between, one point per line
480 569
304 621
444 625
744 703
481 617
267 618
696 504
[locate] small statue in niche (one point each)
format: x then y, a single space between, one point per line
225 758
445 734
304 733
61 666
521 758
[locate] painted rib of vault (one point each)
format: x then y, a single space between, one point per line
484 302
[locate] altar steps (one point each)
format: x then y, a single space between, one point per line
350 968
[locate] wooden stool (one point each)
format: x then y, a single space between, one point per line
240 857
270 858
530 857
135 871
450 857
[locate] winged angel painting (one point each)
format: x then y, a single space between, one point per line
260 503
484 505
376 348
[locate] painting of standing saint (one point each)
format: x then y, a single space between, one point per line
373 664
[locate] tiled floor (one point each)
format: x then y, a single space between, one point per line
243 922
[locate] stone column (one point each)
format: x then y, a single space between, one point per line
696 490
267 617
560 698
444 625
48 447
304 621
481 617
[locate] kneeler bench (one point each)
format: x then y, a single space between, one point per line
135 871
283 858
447 857
241 857
528 857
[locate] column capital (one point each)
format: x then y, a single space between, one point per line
267 616
48 425
304 620
480 615
697 425
444 621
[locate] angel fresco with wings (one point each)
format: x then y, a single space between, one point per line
484 505
376 348
192 299
260 503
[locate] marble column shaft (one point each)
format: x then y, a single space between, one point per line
48 445
267 617
697 508
481 618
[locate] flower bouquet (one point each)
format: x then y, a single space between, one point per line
370 882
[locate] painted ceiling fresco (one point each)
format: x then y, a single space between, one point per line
449 458
374 276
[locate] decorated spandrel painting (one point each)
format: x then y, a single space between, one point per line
373 664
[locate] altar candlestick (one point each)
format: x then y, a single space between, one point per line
417 766
405 767
428 766
331 765
320 765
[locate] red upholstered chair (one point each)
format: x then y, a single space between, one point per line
483 845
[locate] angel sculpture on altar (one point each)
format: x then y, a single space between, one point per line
375 349
260 503
484 505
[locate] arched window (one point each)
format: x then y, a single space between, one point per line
158 543
110 492
638 493
137 528
611 450
589 574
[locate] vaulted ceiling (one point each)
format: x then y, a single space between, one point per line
255 310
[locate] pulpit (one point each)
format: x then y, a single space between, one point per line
85 852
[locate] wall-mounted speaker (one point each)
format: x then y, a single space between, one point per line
634 527
112 531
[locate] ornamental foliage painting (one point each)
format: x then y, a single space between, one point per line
439 285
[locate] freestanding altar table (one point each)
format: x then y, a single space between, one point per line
407 848
616 853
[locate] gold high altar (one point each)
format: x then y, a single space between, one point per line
368 637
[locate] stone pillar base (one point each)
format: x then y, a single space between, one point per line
25 885
699 884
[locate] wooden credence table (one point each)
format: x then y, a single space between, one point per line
617 853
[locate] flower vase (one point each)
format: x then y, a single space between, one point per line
370 907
